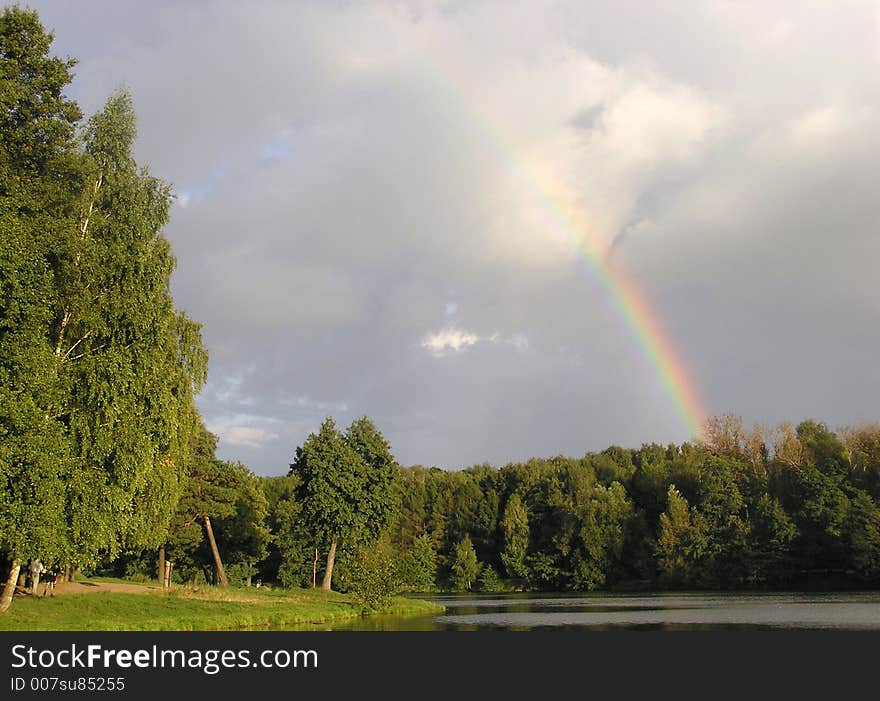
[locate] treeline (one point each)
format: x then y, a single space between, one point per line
790 507
98 370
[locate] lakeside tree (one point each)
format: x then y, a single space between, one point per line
465 566
417 565
245 534
211 491
515 536
37 126
99 370
344 486
128 361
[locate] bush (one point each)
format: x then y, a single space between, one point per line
489 580
417 567
371 576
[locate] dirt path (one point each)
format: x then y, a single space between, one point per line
95 587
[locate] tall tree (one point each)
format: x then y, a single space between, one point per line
515 536
38 184
128 361
380 471
465 566
244 534
98 369
212 489
345 486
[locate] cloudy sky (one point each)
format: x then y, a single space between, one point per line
382 209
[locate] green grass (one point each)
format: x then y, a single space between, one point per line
204 608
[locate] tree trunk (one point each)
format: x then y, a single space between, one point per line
218 564
160 565
9 589
315 570
328 573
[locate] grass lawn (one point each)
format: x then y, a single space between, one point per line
185 608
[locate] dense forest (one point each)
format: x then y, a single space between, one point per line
106 465
792 507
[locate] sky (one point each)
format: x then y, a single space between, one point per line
439 214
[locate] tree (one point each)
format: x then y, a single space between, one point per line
100 399
380 471
372 575
128 361
244 534
772 533
418 565
515 536
682 540
212 490
37 155
465 566
345 486
488 580
598 545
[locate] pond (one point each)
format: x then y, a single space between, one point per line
655 611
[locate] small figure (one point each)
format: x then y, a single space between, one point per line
36 569
51 579
259 583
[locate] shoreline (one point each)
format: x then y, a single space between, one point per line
195 609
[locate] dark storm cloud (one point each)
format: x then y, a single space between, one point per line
368 217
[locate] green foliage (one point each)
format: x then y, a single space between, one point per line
772 533
329 488
489 581
295 547
371 575
244 534
598 545
97 368
417 566
682 541
233 498
344 487
465 566
515 536
863 528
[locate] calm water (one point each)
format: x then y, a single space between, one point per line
678 611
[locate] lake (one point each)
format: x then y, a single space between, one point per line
658 611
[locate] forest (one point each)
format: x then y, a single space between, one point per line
792 507
107 467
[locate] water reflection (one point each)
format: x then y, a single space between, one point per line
677 611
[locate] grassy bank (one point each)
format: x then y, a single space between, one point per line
205 608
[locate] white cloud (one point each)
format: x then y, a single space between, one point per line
455 340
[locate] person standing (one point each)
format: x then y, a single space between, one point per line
51 579
36 570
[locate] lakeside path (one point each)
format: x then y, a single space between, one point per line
112 605
98 586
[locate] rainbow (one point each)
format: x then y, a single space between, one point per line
643 323
641 320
